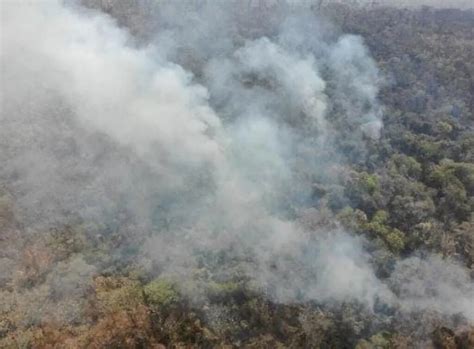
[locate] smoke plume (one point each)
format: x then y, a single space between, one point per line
204 141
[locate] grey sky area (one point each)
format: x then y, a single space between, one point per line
411 3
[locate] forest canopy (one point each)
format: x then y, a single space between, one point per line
258 174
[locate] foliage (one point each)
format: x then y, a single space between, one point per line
160 292
411 190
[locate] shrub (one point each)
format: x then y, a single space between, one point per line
161 292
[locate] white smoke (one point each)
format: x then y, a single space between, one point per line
215 159
433 284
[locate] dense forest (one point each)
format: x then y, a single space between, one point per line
309 182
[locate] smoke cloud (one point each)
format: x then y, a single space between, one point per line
205 141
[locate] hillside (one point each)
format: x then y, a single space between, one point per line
223 175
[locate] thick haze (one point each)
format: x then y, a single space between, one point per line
206 141
461 4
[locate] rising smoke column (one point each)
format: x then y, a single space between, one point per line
207 140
